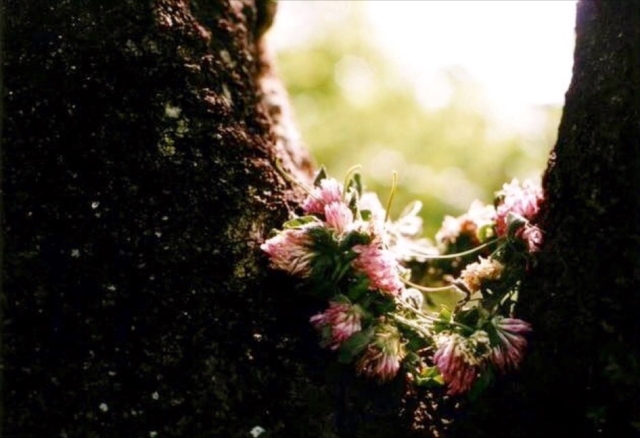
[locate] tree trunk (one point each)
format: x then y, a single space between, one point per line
140 176
583 298
139 148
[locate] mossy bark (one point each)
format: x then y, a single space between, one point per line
139 151
139 145
583 370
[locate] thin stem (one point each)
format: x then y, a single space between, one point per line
427 289
459 254
416 311
291 179
464 326
429 318
394 186
412 325
462 287
347 177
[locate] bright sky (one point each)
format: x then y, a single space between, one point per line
521 52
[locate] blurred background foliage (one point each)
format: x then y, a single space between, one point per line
353 106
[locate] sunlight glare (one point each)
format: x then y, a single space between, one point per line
520 52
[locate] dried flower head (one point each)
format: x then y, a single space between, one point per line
381 360
518 199
329 191
338 216
380 266
461 358
511 332
478 216
532 235
475 273
290 251
338 323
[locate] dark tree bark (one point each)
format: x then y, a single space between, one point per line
139 144
583 298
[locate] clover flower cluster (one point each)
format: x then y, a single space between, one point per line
378 277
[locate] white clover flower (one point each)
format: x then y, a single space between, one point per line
475 273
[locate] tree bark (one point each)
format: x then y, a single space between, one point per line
140 141
583 370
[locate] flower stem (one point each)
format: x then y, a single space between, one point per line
394 186
413 326
427 318
415 311
291 179
458 254
425 288
347 177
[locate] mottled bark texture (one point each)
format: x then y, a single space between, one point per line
583 371
139 144
139 148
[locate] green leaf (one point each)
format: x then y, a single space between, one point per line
444 320
480 385
299 222
353 203
358 288
322 174
514 222
355 344
340 298
354 238
414 341
356 182
445 314
429 377
471 317
384 305
340 269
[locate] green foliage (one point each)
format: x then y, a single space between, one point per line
353 107
299 221
355 345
